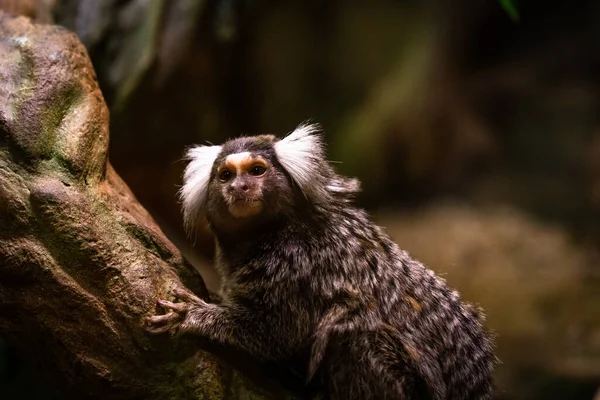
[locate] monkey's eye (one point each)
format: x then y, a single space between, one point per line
225 175
257 170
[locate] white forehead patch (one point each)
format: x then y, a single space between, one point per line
237 159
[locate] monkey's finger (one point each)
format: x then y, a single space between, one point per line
178 307
156 319
186 295
159 329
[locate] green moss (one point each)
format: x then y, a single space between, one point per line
51 116
148 241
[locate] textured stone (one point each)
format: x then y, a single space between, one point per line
81 262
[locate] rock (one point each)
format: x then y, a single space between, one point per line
81 262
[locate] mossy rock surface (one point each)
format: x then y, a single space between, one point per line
82 263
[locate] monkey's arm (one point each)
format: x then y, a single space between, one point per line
224 323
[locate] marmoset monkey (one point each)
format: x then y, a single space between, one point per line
306 275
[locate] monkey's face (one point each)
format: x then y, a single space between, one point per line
249 181
247 184
241 178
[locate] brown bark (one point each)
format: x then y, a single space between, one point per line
81 261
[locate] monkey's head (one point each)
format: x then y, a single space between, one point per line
254 179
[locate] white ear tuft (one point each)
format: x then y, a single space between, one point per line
301 154
196 177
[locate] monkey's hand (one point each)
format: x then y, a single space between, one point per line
228 323
177 318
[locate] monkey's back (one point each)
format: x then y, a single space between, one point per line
435 324
440 336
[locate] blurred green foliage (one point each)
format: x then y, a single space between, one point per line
510 7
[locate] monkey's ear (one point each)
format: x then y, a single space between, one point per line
196 177
301 153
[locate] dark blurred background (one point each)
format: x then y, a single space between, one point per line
473 125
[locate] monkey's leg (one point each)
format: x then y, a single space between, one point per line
371 365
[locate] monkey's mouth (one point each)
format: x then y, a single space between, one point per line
241 200
245 207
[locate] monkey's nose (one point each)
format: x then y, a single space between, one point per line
240 186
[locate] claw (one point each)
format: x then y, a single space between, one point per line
186 295
178 307
163 323
162 318
159 329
